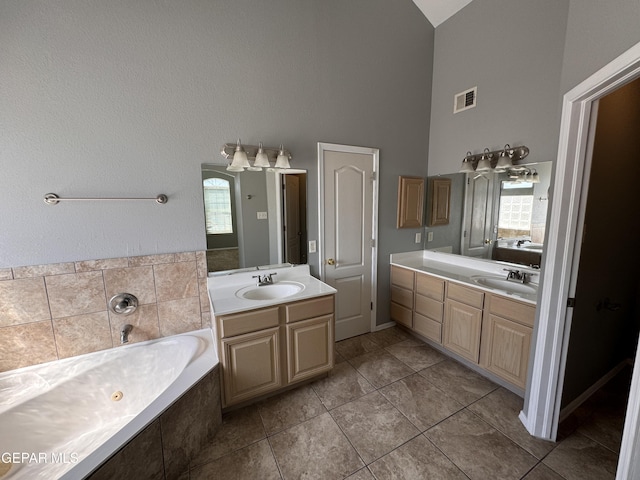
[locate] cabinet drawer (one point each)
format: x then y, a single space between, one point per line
429 308
245 322
401 315
402 277
467 295
314 307
402 296
429 286
513 310
427 327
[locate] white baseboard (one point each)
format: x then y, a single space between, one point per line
383 326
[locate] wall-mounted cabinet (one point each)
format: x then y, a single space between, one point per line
410 202
440 201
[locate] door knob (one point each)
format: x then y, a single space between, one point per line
331 261
487 241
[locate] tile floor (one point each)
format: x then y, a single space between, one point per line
394 408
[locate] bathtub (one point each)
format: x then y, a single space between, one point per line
63 419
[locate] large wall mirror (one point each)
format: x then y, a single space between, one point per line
499 216
254 218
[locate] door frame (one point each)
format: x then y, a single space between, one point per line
553 318
375 154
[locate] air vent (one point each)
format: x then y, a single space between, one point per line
465 100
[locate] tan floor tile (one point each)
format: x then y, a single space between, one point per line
290 408
362 474
500 409
373 426
388 336
579 458
315 449
342 385
420 401
356 346
605 427
478 449
239 429
253 462
542 472
416 356
416 459
457 381
380 368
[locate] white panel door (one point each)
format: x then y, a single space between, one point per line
347 233
478 216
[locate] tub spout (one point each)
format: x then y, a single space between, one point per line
124 333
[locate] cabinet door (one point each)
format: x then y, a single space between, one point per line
401 315
508 345
251 365
310 347
462 327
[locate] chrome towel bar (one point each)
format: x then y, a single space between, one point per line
53 199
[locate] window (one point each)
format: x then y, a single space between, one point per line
515 211
217 206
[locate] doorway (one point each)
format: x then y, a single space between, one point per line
555 313
348 192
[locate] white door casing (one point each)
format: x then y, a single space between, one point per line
348 229
553 318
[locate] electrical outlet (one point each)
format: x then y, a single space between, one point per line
430 237
262 215
418 237
312 246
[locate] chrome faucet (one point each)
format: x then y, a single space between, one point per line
266 279
517 275
522 242
124 333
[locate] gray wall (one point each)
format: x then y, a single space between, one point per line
128 98
597 32
512 51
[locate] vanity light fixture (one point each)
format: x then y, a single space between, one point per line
240 155
485 162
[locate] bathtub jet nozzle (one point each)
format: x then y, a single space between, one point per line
124 333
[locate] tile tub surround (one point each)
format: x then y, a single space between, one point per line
50 312
170 442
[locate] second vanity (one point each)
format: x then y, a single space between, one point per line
467 307
273 335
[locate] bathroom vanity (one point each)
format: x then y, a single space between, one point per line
273 335
467 307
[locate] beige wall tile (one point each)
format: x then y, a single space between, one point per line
201 260
144 321
23 301
75 294
6 274
204 295
105 264
176 280
24 345
82 334
137 281
179 316
152 259
186 257
43 270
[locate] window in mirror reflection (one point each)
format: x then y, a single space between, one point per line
217 206
516 206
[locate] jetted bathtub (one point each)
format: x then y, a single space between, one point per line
62 419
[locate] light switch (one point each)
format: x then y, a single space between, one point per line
262 215
312 246
418 237
430 237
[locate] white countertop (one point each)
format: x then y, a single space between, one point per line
223 288
460 269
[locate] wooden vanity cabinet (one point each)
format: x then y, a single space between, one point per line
463 321
267 349
429 306
506 338
402 288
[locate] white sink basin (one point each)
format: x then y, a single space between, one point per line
274 291
505 285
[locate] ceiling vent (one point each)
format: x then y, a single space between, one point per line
465 100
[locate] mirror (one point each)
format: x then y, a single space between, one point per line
254 218
499 216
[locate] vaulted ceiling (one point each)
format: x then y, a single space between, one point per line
437 11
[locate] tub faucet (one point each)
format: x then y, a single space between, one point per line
124 333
